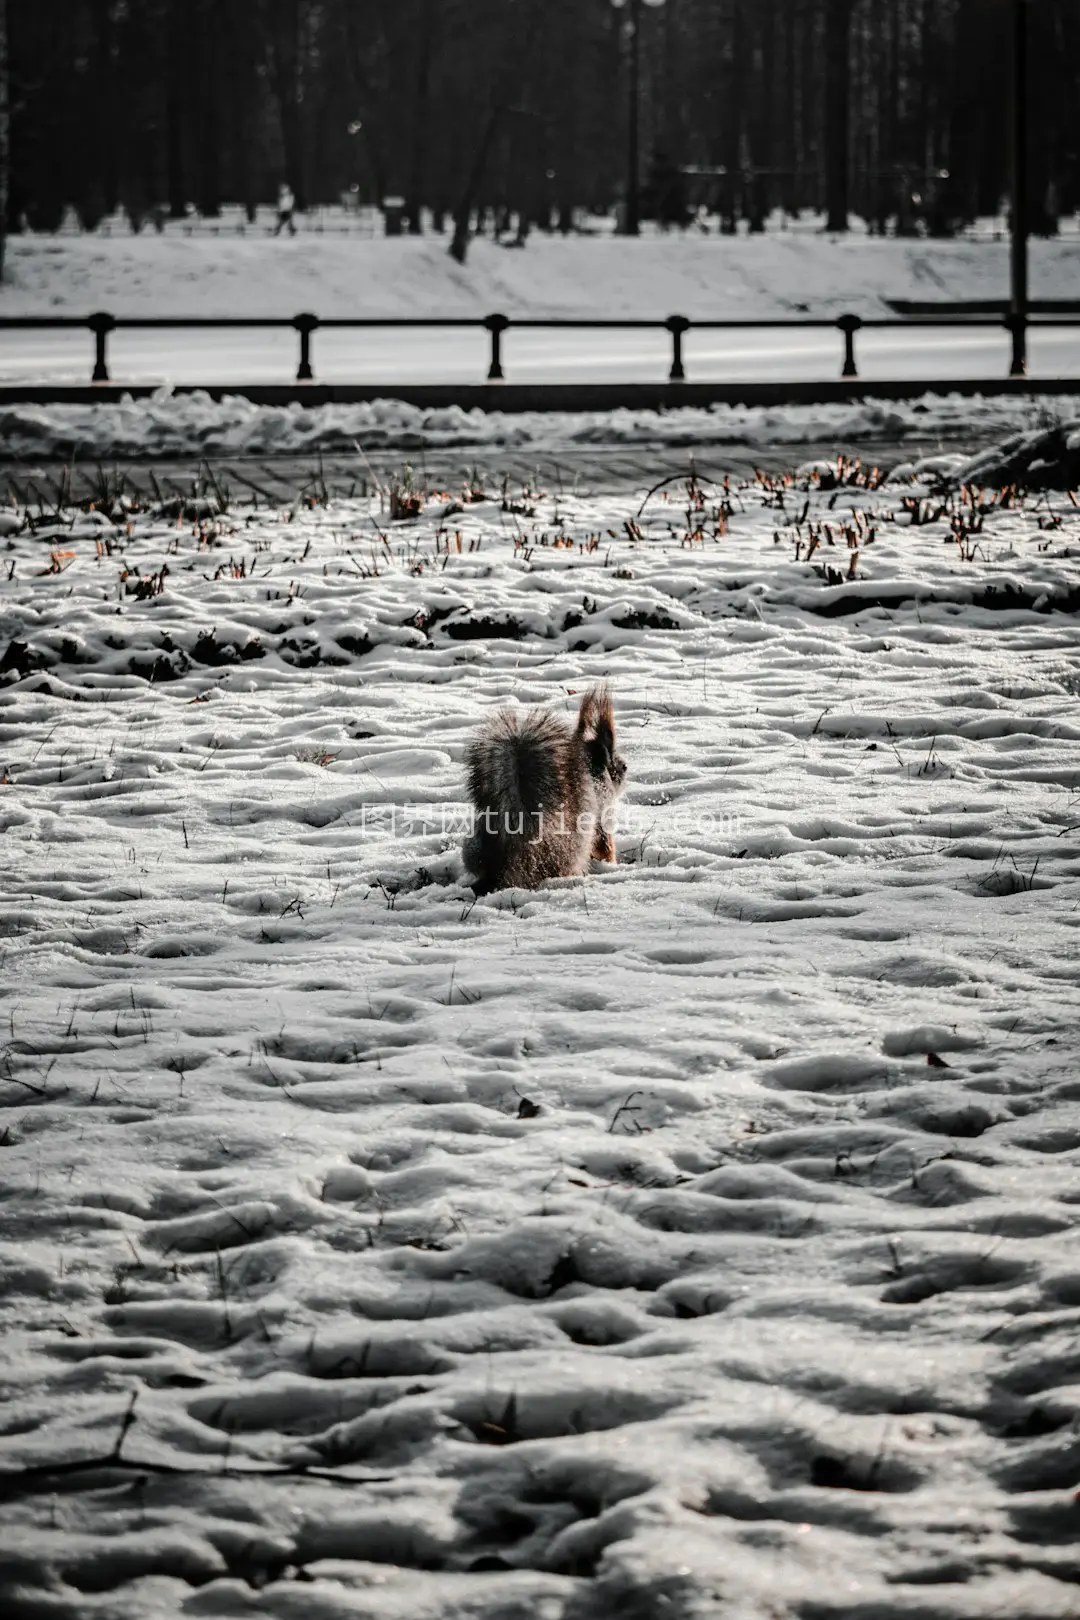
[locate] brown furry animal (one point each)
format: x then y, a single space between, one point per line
543 793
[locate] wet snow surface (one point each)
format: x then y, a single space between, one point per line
696 1239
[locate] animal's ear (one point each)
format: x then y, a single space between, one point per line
596 726
596 717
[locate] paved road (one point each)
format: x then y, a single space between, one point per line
389 356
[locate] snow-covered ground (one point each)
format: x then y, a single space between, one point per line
168 424
696 1238
782 273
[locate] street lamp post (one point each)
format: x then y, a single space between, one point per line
632 225
1018 164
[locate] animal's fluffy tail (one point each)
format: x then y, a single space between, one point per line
515 765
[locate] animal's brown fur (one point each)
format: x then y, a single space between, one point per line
543 792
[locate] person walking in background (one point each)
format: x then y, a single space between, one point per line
286 206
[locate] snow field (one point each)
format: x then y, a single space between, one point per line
693 1239
717 277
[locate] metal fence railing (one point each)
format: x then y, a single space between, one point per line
102 324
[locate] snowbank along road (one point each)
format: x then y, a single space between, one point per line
166 424
694 1239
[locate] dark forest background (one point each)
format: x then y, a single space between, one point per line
894 109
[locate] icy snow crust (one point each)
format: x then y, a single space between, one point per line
695 1239
168 424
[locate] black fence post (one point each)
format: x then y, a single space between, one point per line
101 325
849 325
305 325
1017 324
496 325
677 325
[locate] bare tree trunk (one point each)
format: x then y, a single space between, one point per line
175 61
459 244
5 147
372 141
837 112
796 49
969 52
285 62
105 89
763 57
1048 95
243 107
733 133
511 71
781 114
420 121
565 131
884 142
208 42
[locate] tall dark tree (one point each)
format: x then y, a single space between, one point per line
421 117
4 131
837 112
363 90
242 109
735 114
104 129
177 63
284 43
206 18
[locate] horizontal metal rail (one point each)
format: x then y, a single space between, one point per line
102 324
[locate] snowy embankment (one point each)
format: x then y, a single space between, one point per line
694 1238
782 273
169 424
